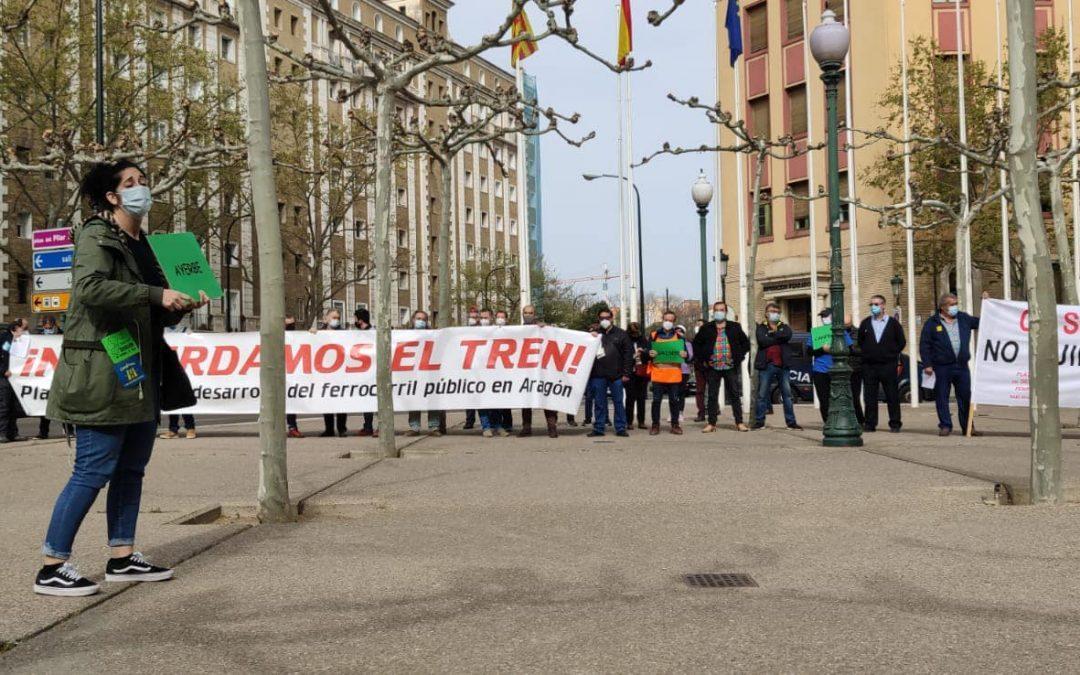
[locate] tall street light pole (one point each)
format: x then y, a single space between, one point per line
829 44
641 263
702 193
99 67
724 258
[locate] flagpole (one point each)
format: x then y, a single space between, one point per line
718 202
1003 176
909 232
740 202
1072 142
632 231
810 182
524 263
622 209
853 230
964 187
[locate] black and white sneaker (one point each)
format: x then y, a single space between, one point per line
64 580
135 568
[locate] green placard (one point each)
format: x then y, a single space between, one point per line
184 264
822 336
667 351
120 346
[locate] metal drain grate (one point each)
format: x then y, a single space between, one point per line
722 580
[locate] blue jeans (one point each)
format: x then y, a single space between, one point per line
947 377
496 418
116 455
600 386
765 380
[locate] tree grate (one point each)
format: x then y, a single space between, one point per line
721 580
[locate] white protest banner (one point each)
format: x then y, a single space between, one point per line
334 371
1001 375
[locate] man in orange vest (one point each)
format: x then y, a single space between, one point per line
667 376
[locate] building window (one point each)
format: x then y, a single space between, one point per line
841 102
378 22
498 188
468 179
194 35
277 18
759 117
764 210
22 283
401 197
232 255
356 11
403 281
513 226
296 214
359 229
793 18
758 20
195 90
498 224
227 51
483 219
402 238
470 251
277 64
26 224
399 34
513 193
294 23
403 315
361 273
797 111
483 184
800 209
837 6
845 208
468 215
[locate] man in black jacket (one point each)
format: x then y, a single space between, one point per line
9 403
719 349
881 341
612 369
773 362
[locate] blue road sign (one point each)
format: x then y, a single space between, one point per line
53 260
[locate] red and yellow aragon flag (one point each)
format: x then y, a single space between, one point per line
525 48
626 32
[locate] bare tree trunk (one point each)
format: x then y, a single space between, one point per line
750 397
274 505
1046 480
1061 239
963 261
446 219
384 316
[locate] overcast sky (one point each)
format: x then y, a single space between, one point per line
580 219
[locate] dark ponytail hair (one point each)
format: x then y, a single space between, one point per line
102 179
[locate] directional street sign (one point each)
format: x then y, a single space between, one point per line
56 238
50 302
52 281
53 260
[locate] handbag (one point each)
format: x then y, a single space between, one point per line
176 391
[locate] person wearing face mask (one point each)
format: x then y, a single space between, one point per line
944 348
495 421
48 327
363 322
293 431
637 391
666 377
420 321
10 410
881 340
332 321
773 363
822 364
551 417
720 346
611 371
118 291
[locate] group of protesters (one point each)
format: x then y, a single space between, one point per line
667 358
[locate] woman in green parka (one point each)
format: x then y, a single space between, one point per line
115 375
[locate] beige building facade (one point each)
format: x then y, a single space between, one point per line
782 94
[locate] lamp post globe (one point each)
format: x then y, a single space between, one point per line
829 44
897 282
702 193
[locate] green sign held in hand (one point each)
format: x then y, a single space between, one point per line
822 336
668 351
184 264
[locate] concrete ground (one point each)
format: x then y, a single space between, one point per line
474 554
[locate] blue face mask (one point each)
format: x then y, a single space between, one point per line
953 310
875 310
420 324
136 200
719 316
774 317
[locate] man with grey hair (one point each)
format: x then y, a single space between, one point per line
945 352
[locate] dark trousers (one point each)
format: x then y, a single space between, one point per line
856 396
174 422
701 379
674 393
952 377
9 410
340 418
732 389
822 385
470 417
550 416
883 374
369 421
637 391
43 427
290 421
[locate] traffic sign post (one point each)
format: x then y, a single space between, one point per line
59 237
53 258
61 259
50 302
52 281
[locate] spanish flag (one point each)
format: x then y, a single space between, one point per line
626 32
525 48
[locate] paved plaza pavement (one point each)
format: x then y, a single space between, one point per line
472 554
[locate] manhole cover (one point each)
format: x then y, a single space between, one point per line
721 580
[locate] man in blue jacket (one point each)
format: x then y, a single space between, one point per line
945 351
